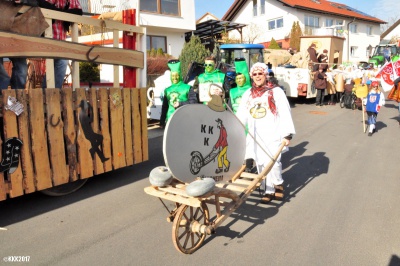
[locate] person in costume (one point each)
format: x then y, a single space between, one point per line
242 81
175 95
320 84
312 52
323 59
210 76
265 111
375 99
396 87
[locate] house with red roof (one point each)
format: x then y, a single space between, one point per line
392 34
267 19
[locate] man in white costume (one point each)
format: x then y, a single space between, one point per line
265 111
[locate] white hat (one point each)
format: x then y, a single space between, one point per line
259 66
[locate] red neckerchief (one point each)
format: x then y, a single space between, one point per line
256 92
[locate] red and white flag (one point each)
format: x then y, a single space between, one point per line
396 68
387 76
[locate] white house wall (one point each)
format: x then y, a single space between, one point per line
274 9
172 27
175 40
186 22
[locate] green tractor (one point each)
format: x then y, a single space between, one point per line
378 58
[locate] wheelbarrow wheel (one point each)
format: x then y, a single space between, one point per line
184 239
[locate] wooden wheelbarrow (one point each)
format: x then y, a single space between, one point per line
191 217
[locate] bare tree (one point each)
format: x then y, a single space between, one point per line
251 32
390 22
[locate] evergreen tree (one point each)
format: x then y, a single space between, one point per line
193 50
160 52
293 37
273 44
299 33
153 52
89 72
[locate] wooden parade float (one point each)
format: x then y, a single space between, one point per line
200 172
61 137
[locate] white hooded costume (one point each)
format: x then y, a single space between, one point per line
268 130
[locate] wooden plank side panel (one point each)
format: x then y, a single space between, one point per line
85 160
98 165
137 127
70 132
56 137
29 180
3 183
39 140
126 95
105 127
10 131
143 116
117 128
17 45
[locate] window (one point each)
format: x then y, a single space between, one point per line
275 24
353 28
369 30
156 42
328 22
341 23
310 23
166 7
262 7
255 8
353 51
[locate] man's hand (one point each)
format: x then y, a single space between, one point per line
286 142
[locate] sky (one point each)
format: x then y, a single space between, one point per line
386 10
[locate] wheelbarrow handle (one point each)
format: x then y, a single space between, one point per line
273 160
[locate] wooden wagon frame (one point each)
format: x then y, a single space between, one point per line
55 150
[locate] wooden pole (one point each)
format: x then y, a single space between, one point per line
363 113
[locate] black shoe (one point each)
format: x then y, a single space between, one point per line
219 170
227 168
369 134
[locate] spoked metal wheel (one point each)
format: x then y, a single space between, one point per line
65 189
186 231
342 101
353 105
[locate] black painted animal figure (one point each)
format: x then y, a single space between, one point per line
86 118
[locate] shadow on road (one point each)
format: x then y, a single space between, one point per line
27 206
394 261
301 171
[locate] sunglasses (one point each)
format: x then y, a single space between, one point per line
258 74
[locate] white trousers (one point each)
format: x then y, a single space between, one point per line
274 177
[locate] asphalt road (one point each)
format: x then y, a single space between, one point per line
341 207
